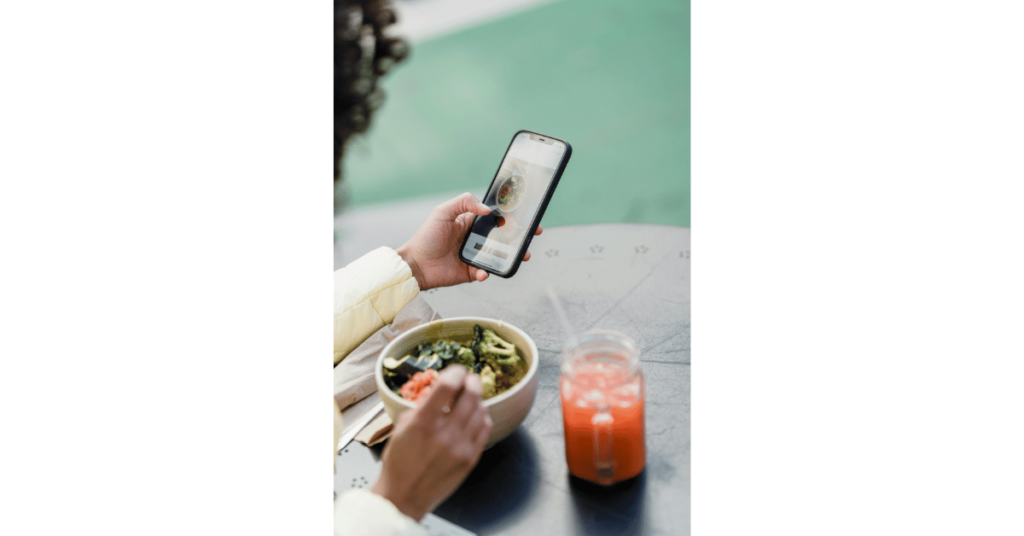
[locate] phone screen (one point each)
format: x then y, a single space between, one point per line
515 196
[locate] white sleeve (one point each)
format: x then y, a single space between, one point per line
359 512
368 293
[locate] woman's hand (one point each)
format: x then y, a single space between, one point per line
433 252
435 445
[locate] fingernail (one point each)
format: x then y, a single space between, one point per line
485 207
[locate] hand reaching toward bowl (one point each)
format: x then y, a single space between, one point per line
435 445
433 251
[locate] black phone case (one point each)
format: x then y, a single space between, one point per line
536 220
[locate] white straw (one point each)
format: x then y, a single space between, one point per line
561 312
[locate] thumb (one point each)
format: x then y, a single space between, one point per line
462 204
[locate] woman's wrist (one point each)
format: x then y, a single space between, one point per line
406 256
408 505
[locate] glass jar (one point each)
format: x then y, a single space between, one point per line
602 390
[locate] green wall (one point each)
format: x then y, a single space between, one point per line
610 77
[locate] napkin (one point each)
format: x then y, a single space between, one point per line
377 431
354 376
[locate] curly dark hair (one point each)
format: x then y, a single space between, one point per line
362 55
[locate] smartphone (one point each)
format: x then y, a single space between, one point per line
518 196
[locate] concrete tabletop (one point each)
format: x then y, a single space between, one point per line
631 278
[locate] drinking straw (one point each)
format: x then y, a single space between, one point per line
561 312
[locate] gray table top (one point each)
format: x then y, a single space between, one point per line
631 278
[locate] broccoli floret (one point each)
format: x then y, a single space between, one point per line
487 344
464 356
487 378
512 361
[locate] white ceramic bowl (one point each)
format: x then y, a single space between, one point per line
507 410
518 184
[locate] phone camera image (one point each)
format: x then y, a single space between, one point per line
522 186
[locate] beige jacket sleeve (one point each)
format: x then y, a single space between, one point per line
368 293
359 512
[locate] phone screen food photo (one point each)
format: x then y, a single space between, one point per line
516 196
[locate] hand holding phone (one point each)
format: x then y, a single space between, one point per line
432 253
518 195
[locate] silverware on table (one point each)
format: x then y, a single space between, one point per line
350 433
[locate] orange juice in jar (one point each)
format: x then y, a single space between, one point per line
602 391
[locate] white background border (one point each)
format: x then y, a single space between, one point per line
165 218
857 268
166 211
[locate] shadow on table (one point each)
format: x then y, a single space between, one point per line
499 487
614 511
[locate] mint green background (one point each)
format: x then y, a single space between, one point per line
610 77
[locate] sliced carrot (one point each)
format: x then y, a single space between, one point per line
419 385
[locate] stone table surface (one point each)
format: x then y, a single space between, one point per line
631 278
